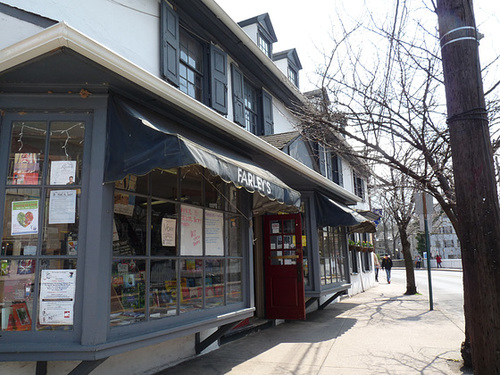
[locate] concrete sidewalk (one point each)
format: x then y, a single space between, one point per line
380 331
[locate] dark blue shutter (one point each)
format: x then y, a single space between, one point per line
267 113
238 96
218 77
169 51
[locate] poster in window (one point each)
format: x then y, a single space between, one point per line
62 172
26 168
62 207
191 230
124 204
168 232
214 233
24 218
57 297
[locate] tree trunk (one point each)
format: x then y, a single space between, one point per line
477 201
411 287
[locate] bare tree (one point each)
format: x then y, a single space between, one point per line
395 195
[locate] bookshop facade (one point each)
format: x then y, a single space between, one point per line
122 227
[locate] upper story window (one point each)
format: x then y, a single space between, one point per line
337 173
196 67
253 108
264 44
191 67
359 187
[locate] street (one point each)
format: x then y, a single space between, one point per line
447 289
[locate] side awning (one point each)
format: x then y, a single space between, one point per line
139 140
333 214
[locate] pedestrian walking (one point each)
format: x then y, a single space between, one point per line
376 265
438 261
418 261
387 265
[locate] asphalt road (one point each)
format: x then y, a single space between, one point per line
447 289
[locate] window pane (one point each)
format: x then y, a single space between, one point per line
128 291
164 183
61 222
134 184
163 228
47 320
191 184
66 152
191 284
233 228
163 290
322 271
27 153
130 220
214 282
214 191
234 289
21 222
17 278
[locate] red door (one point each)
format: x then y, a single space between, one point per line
283 267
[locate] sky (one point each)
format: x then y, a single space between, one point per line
307 25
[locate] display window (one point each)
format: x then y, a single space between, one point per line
182 230
40 227
332 258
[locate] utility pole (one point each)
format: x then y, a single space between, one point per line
475 186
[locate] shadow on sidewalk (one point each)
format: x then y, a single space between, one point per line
321 326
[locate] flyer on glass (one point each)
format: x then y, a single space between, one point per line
62 172
24 218
57 297
62 207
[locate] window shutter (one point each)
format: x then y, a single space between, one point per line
169 51
267 113
238 96
218 79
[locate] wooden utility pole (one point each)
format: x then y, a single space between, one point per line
475 185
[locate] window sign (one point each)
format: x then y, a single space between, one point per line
63 172
57 297
168 232
24 217
214 228
26 168
191 230
62 207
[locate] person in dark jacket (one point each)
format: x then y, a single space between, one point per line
387 265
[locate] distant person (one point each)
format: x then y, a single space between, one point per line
387 265
438 261
376 265
418 261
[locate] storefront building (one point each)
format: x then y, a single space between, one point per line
141 215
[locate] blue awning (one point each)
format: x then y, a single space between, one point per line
333 214
139 140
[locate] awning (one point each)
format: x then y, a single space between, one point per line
140 140
333 214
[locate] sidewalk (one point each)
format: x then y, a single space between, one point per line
379 331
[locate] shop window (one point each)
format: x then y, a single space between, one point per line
181 247
366 261
332 259
198 68
40 227
354 262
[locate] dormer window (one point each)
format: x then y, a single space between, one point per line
264 45
288 62
293 76
260 30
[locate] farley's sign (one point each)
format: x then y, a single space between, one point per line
254 182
